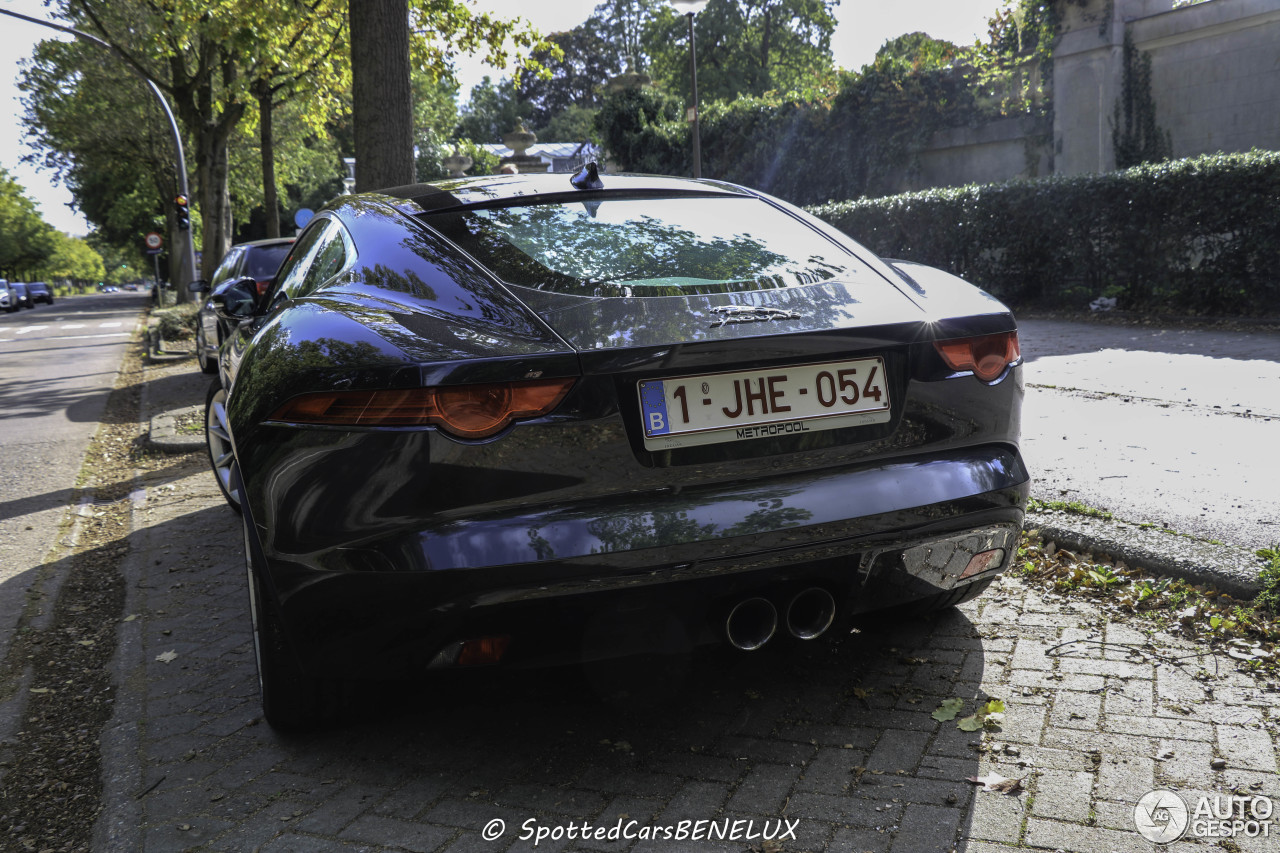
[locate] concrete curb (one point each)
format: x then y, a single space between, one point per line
155 346
1232 569
164 436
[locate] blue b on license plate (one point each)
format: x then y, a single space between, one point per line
684 411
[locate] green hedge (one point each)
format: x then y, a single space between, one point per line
1199 236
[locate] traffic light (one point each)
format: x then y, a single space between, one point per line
182 212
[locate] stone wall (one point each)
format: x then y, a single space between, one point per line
1215 69
995 152
1215 76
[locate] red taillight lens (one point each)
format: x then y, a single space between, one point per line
263 285
987 355
467 411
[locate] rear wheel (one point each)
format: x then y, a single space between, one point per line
291 699
217 439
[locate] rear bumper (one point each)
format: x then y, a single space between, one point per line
578 583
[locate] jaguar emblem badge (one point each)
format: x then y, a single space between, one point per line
731 314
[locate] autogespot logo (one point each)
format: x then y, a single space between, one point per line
1161 817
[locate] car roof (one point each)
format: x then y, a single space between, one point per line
490 190
269 241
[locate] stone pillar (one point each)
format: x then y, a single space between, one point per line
1087 72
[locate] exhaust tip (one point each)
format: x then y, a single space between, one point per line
751 623
810 613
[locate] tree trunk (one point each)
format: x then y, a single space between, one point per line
382 103
270 203
765 82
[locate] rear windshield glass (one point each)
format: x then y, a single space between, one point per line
646 247
263 261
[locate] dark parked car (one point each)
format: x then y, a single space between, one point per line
21 297
40 292
510 421
257 260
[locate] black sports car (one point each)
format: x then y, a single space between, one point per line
520 420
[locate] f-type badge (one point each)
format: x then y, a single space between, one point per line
747 314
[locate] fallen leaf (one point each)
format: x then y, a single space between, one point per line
948 710
39 689
990 714
995 783
167 656
131 617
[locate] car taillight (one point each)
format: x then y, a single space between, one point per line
467 411
263 285
986 355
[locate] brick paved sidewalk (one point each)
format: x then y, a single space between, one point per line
840 738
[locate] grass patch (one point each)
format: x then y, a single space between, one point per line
1269 598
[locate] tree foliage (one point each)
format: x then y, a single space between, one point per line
73 259
845 135
273 71
744 47
26 240
104 137
579 66
493 110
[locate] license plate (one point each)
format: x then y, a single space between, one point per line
746 405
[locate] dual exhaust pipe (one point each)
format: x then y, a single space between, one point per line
753 621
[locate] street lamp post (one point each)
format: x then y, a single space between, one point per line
689 8
188 248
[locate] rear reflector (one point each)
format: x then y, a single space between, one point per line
981 562
986 355
467 411
481 651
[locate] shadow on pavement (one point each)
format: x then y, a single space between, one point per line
836 735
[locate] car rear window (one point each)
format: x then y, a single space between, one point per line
263 261
646 247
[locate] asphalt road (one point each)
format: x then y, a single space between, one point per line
58 363
1173 427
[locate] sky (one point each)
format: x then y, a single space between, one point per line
864 25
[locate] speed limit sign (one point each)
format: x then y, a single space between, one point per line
153 240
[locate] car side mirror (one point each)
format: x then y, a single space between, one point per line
236 300
198 286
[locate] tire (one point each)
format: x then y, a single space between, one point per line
217 442
292 701
207 365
